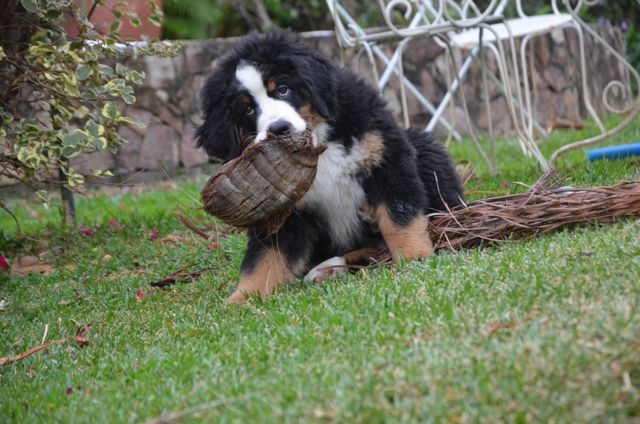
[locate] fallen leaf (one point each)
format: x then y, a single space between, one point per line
141 294
497 326
213 246
125 273
85 231
113 223
173 239
81 338
179 276
153 235
26 264
4 265
319 414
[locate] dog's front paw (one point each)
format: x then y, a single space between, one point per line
237 298
331 268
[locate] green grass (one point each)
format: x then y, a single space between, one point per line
541 330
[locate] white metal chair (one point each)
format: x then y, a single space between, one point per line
462 26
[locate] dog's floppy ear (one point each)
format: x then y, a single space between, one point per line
217 134
316 73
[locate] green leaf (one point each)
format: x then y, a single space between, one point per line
94 129
115 27
43 195
83 72
75 180
81 112
129 121
24 155
75 138
155 19
135 22
129 99
99 143
30 6
110 111
101 173
70 151
105 70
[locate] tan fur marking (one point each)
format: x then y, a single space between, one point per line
270 273
364 255
409 242
372 147
310 116
271 86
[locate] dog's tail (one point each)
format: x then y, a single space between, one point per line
437 171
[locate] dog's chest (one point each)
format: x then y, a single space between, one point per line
337 194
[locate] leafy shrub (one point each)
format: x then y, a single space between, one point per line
61 95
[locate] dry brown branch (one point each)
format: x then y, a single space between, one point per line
190 225
538 211
29 352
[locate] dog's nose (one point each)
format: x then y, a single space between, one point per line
279 127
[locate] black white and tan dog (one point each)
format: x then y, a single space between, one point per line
375 181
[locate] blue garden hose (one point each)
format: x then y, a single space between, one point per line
614 152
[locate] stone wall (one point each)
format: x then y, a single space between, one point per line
168 102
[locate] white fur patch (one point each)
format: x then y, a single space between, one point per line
270 110
337 194
331 268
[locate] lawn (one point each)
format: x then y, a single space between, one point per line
541 330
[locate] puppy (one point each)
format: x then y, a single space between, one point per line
375 181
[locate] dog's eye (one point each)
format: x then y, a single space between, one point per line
249 110
283 90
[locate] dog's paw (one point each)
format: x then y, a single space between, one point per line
331 268
237 298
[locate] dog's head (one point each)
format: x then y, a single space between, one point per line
268 83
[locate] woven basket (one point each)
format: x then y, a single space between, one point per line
261 187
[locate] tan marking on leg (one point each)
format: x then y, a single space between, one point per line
410 241
372 147
270 273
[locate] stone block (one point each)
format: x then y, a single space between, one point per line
85 163
128 151
159 148
160 71
543 50
190 155
142 116
500 119
167 117
148 99
555 78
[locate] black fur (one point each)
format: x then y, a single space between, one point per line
416 175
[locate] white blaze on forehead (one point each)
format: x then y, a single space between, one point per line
269 110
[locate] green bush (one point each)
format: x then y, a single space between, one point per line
61 95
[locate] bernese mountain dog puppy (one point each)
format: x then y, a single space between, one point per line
375 181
